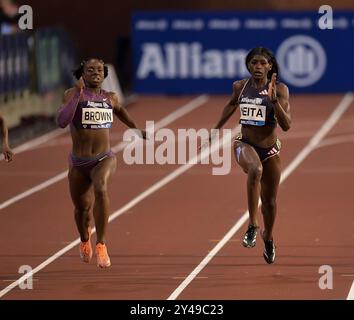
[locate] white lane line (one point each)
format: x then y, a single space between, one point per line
33 190
39 267
351 292
173 175
133 202
180 112
336 140
326 127
37 141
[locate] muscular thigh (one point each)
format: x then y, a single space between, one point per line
80 188
246 156
103 171
270 177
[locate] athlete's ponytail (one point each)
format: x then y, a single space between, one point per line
268 55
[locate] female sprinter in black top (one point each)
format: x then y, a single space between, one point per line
263 103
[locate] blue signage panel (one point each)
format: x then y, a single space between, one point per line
204 52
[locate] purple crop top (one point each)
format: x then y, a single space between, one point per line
94 111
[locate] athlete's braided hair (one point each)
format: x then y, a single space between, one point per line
268 55
80 70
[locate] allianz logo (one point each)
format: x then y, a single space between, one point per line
252 101
94 104
190 60
97 104
301 58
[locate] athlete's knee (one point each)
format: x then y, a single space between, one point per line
100 188
270 204
83 210
255 173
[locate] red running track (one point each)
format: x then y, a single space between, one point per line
157 243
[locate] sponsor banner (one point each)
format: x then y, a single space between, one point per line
197 52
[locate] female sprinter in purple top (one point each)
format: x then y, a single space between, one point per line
263 103
89 111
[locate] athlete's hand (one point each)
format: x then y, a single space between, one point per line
8 154
272 89
80 84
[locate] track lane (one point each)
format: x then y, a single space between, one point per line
34 239
314 228
147 267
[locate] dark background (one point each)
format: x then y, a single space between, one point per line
102 28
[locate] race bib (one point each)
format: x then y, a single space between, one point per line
253 114
97 116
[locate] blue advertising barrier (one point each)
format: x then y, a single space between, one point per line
197 52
